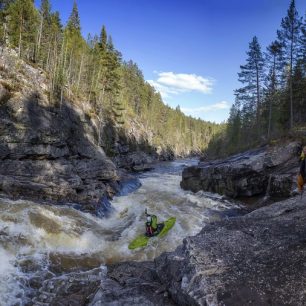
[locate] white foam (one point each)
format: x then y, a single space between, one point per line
65 230
10 291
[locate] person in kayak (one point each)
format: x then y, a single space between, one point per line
152 227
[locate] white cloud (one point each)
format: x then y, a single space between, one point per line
185 82
169 83
197 111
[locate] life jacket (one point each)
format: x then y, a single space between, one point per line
151 224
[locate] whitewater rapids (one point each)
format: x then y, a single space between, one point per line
43 241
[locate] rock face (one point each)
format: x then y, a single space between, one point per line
48 151
135 161
257 259
131 284
269 170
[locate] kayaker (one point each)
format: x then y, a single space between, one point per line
151 225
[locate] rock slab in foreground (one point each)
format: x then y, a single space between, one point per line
131 284
257 259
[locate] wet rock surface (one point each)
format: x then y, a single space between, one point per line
73 289
256 259
266 171
131 284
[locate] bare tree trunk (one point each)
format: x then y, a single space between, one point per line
80 72
39 34
258 100
20 37
91 85
290 84
69 73
48 56
5 33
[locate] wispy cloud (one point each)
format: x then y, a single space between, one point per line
170 83
197 111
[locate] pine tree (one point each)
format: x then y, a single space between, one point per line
274 58
4 4
43 35
3 21
303 45
252 77
74 23
234 127
74 50
103 39
289 38
22 27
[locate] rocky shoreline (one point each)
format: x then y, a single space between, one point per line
268 171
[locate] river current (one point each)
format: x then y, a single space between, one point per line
44 241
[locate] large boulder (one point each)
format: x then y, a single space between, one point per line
136 161
131 284
268 170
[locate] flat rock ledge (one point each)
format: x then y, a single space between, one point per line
267 171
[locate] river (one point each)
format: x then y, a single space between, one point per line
44 241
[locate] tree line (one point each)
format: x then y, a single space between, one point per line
92 70
271 102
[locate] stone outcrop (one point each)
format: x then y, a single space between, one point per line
131 284
48 151
265 171
256 259
137 161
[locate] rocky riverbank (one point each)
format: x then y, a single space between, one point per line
256 259
268 171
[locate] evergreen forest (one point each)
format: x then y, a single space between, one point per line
270 104
91 70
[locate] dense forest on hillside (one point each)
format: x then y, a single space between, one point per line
93 71
271 102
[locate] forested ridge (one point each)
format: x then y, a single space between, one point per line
92 71
271 102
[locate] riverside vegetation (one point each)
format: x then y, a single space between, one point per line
92 72
271 102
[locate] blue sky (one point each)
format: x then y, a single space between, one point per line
190 50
